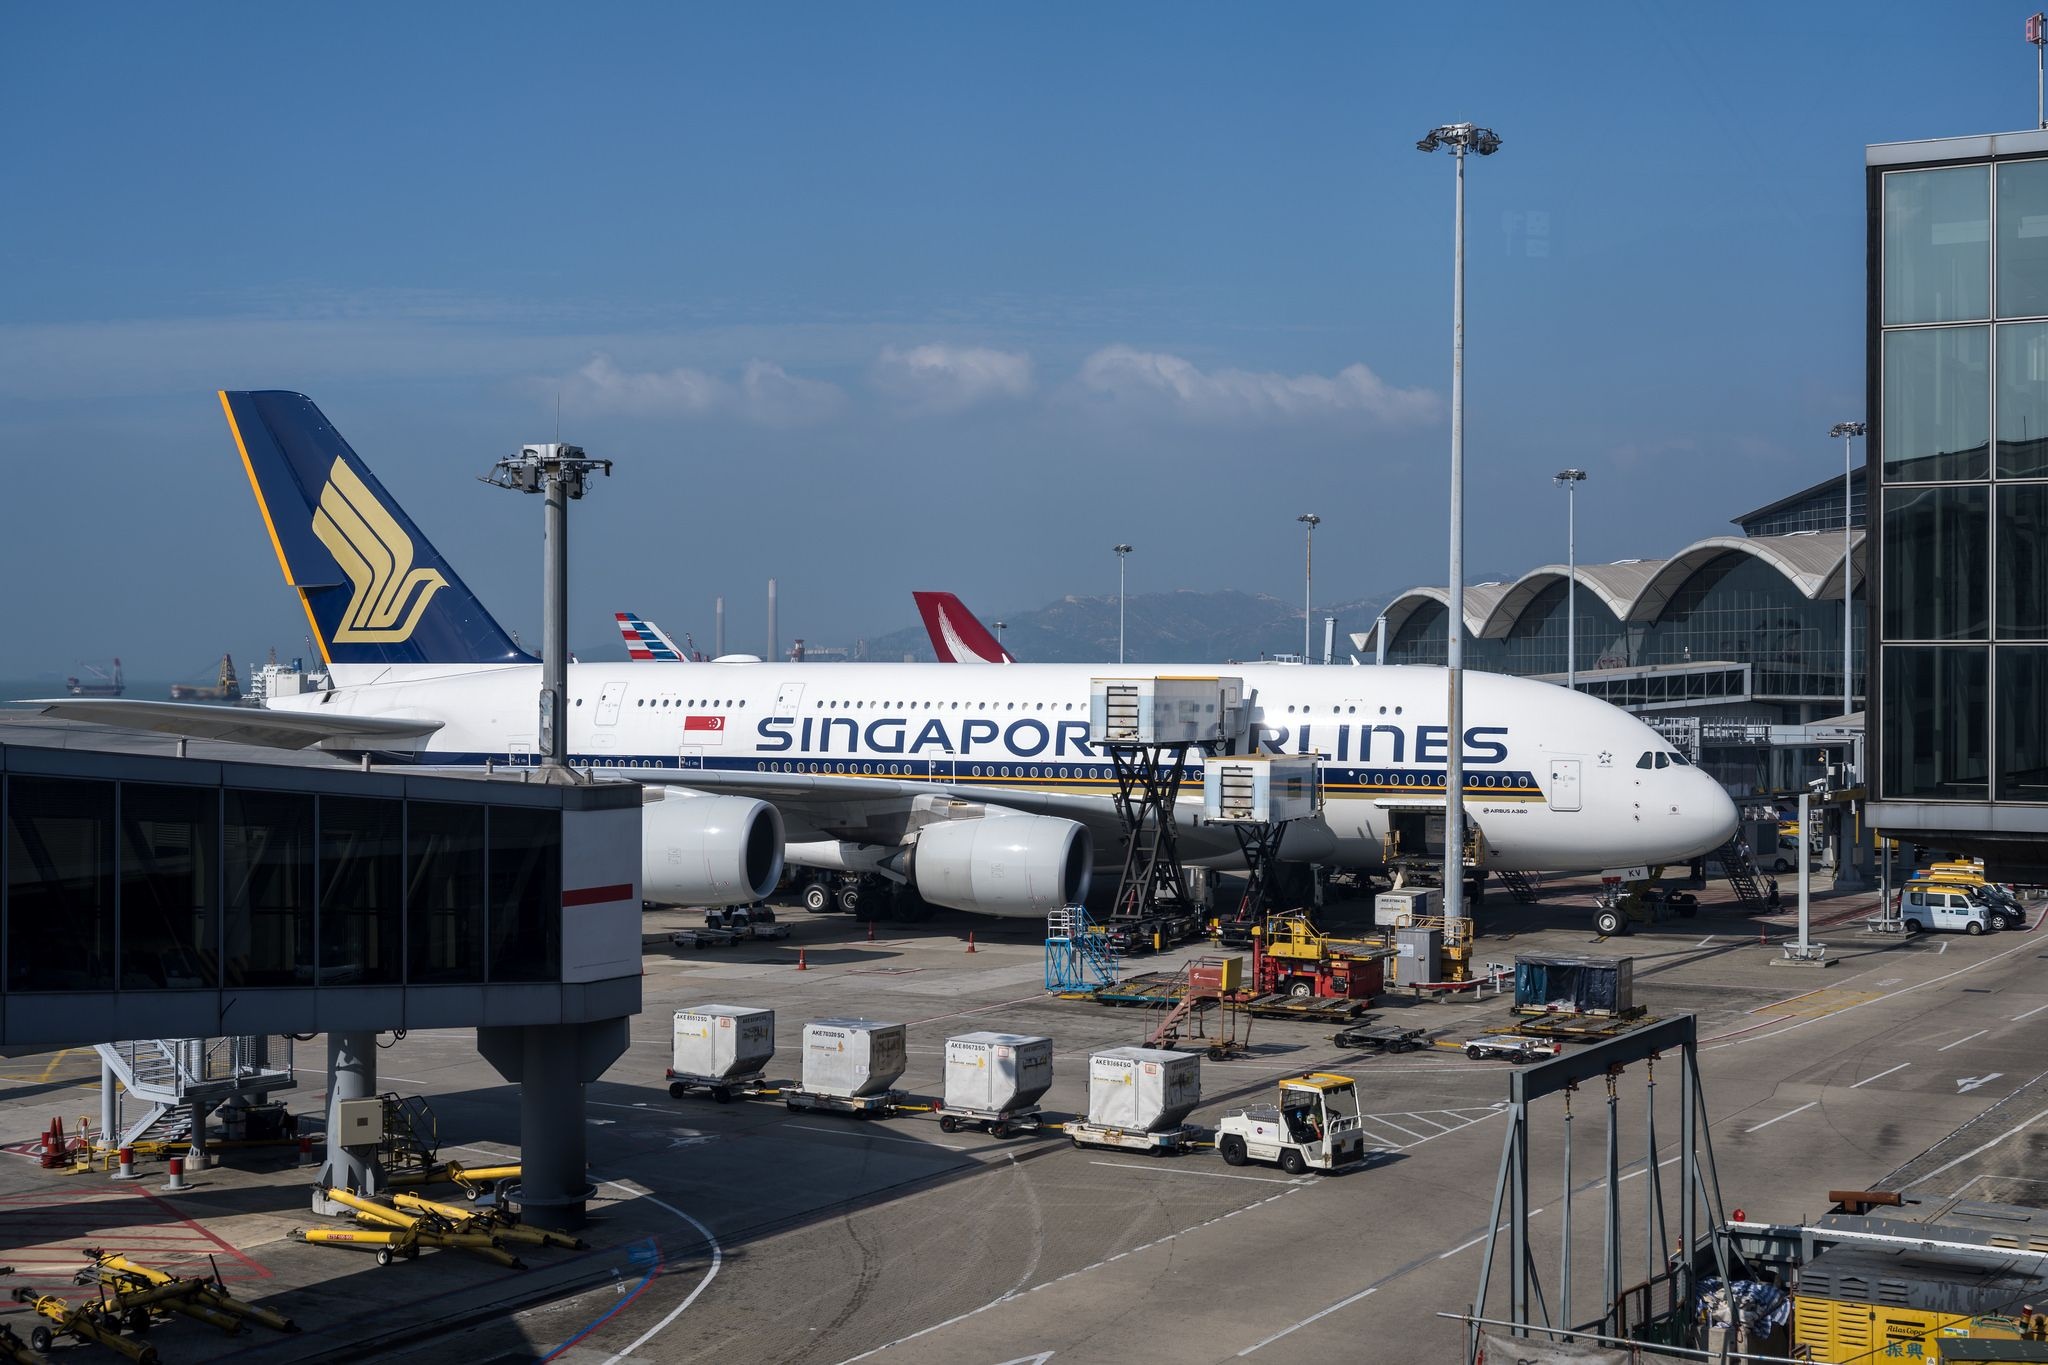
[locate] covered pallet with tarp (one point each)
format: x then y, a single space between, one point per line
1575 984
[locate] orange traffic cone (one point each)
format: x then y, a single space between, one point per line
801 965
871 931
970 940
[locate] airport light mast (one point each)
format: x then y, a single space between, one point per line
1460 139
560 473
1571 479
1121 551
1308 570
1848 432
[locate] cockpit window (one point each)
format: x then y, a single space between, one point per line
1644 761
1680 759
1663 760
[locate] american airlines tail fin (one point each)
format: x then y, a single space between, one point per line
644 640
374 589
957 637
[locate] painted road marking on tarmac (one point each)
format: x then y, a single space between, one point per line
874 1136
1211 1175
1882 1074
1786 1115
2030 1013
1960 1041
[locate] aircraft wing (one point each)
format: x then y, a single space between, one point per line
237 724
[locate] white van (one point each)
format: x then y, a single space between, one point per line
1952 911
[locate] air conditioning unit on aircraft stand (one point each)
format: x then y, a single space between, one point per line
1166 710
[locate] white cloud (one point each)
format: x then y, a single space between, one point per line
771 394
766 393
947 379
1155 379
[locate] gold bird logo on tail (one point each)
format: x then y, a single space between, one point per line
390 594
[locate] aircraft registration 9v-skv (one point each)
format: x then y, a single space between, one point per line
976 786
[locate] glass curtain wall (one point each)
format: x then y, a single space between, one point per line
1965 468
1536 643
1739 608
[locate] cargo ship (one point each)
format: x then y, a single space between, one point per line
104 684
228 688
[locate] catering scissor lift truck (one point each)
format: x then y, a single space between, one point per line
1313 1125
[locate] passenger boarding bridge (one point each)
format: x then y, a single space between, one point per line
145 896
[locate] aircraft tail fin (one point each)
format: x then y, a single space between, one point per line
645 641
957 637
375 590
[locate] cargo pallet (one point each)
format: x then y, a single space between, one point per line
703 938
1316 1009
1579 1028
860 1106
1147 988
1377 1037
1170 1142
724 1089
997 1123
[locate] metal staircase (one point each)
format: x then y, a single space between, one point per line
1740 871
1523 886
170 1076
1076 957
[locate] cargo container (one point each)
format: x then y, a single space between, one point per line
994 1081
1394 909
1142 1088
849 1059
720 1049
1598 986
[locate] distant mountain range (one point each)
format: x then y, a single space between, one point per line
1160 627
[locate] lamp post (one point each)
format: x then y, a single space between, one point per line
1848 431
1460 139
1000 627
1121 551
1308 571
1571 479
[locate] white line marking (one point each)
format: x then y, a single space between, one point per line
2030 1013
1163 1169
877 1137
602 1104
1786 1115
1440 1127
1704 942
1944 948
1960 1041
1882 1074
1975 1150
1313 1317
710 1273
1385 1122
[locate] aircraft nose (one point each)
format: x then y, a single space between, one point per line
1709 811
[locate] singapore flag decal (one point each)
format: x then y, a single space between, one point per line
703 729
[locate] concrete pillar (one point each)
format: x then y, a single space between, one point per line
110 1107
551 1063
351 1075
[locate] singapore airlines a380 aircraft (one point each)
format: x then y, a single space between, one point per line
975 786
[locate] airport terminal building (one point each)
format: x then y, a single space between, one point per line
1724 646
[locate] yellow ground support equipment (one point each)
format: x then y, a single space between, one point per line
497 1222
135 1285
85 1322
473 1181
18 1352
1860 1304
397 1232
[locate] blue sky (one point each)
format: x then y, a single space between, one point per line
874 298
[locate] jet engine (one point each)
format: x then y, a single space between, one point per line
1003 864
697 850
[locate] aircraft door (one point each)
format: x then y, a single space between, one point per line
608 703
1564 784
789 699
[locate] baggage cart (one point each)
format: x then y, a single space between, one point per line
997 1123
1371 1036
1164 1142
881 1105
